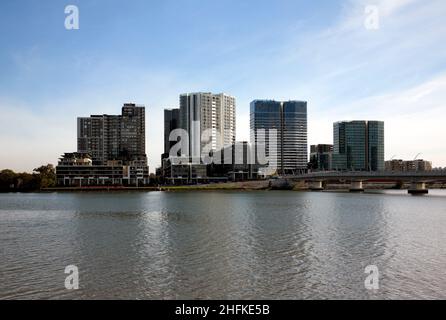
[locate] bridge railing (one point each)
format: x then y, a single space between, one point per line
370 174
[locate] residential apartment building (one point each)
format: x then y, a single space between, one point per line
77 170
111 151
114 137
408 166
209 120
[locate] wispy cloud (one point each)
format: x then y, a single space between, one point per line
40 133
396 73
414 120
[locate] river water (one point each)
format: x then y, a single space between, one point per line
223 245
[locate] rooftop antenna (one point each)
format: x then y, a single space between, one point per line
417 156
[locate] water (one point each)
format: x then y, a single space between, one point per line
223 245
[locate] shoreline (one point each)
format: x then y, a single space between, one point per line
242 186
218 187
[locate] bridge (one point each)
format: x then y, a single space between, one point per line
419 180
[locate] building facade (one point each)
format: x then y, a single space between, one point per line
408 166
171 122
209 120
234 162
111 151
77 170
180 170
321 156
114 137
133 133
281 129
358 145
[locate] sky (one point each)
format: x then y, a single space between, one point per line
149 52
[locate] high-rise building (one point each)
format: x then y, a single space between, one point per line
90 137
209 119
111 151
114 137
288 120
171 122
358 145
133 133
321 156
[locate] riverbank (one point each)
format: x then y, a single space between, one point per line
233 186
241 186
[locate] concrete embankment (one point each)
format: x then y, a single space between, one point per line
247 185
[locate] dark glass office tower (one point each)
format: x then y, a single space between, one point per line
171 122
294 136
358 145
376 145
289 119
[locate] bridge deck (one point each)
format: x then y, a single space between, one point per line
432 176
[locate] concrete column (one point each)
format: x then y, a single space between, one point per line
316 185
356 186
418 188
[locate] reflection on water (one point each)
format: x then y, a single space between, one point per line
223 245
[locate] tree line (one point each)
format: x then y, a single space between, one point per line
41 177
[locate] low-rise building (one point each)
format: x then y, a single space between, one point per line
180 170
399 165
321 157
235 163
76 170
232 163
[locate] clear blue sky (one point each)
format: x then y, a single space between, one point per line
149 52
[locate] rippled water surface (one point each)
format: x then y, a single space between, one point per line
222 245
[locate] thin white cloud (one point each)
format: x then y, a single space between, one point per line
389 74
37 134
414 120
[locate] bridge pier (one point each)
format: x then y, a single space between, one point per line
418 188
356 186
419 180
316 185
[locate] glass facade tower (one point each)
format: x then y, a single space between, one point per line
358 145
289 120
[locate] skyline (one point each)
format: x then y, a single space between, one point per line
150 53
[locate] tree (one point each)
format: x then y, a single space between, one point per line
11 181
27 182
154 180
47 175
42 177
7 178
